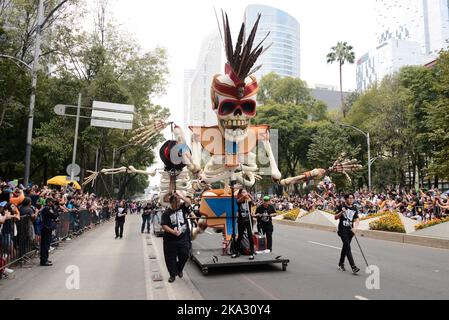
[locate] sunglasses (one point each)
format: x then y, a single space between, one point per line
228 107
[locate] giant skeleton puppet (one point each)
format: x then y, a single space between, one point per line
230 144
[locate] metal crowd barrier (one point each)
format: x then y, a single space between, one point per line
19 239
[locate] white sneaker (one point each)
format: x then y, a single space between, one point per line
267 251
51 249
8 271
68 239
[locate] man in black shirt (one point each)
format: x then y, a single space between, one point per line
177 241
49 215
244 222
264 214
349 221
146 217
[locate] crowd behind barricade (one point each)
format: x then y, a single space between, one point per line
21 222
422 206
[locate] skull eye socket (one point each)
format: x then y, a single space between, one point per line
249 107
227 108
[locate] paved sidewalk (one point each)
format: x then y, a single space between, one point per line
109 269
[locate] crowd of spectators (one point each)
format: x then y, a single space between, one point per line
21 222
422 205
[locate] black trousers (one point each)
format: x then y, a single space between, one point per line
346 238
176 255
242 227
267 230
45 244
146 222
119 228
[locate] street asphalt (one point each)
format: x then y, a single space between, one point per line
116 269
406 271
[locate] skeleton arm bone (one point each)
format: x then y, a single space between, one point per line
275 173
134 170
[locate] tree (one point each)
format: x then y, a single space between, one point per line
437 119
341 53
287 90
105 64
328 143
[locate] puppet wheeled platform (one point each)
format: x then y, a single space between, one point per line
208 259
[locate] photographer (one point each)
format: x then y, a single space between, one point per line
244 217
177 241
49 216
120 219
349 221
146 217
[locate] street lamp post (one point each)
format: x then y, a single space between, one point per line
37 53
368 140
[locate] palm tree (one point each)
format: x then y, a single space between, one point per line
341 53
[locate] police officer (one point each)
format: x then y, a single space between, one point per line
49 215
177 240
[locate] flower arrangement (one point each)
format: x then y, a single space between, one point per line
391 222
431 223
292 215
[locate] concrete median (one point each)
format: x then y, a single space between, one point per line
379 235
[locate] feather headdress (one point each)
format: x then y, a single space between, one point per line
241 60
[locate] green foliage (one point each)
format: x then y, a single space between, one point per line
437 118
105 64
342 53
328 143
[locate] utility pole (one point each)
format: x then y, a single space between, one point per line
37 53
75 143
368 137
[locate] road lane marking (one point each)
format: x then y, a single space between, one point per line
324 245
261 289
208 232
361 298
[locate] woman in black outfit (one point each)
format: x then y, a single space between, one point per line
245 204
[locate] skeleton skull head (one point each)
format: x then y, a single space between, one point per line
234 103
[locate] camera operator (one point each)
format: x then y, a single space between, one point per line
49 216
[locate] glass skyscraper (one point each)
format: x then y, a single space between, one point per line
283 57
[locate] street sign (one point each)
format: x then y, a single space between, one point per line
77 179
76 169
112 115
60 110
